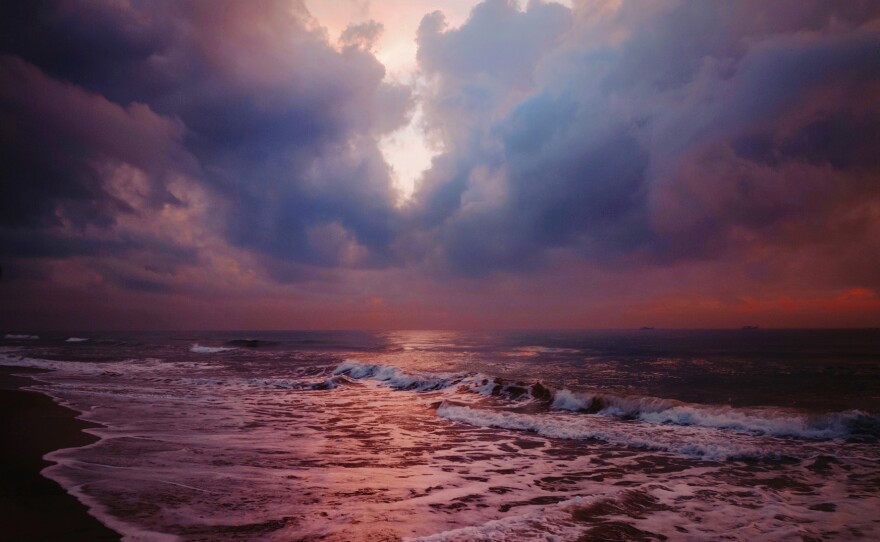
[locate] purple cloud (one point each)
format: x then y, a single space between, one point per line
190 148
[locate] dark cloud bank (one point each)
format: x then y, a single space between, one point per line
141 140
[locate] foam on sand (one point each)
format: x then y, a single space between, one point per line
434 455
544 523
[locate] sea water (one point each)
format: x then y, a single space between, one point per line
442 436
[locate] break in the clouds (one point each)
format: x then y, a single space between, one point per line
171 154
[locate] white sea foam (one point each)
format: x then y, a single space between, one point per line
549 523
76 339
766 421
332 383
134 366
611 405
261 447
567 400
21 337
10 359
199 349
397 378
695 441
130 532
769 421
652 410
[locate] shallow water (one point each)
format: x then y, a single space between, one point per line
464 436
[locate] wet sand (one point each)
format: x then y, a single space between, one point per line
32 507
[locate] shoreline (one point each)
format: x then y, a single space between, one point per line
33 507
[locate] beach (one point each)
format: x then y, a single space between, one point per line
33 507
453 436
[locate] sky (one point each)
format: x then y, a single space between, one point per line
439 164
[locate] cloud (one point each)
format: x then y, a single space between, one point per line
58 143
249 101
363 35
193 149
647 132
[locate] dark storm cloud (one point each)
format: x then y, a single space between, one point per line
656 131
782 151
99 45
58 142
149 137
248 100
31 243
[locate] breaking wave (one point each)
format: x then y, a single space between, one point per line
694 441
768 421
852 424
21 337
399 379
199 349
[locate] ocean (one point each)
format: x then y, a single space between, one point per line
746 434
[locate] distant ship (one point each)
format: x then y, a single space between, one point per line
646 328
750 327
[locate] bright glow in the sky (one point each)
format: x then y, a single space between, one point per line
405 150
408 154
396 47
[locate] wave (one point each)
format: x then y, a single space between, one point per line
76 339
11 358
758 420
399 379
21 337
334 382
199 349
852 424
701 442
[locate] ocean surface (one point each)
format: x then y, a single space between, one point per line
450 436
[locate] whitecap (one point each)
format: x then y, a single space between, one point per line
771 421
693 441
199 349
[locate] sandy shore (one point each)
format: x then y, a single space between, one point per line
32 507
